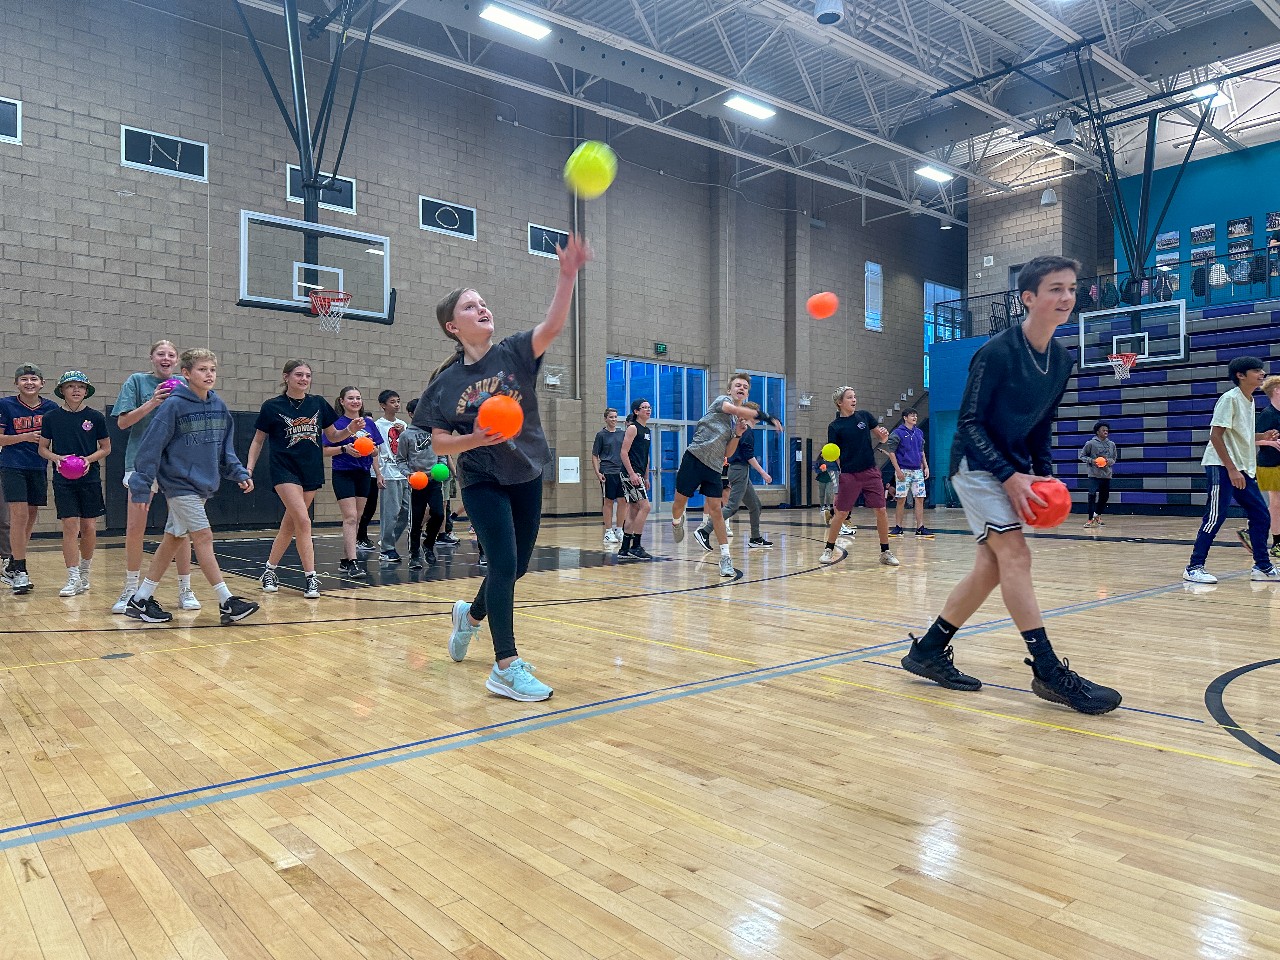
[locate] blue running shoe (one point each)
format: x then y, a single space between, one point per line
517 682
463 631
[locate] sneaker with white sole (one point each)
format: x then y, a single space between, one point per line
84 580
20 581
726 566
270 581
187 599
1272 573
848 530
828 556
761 541
887 559
148 611
72 587
517 682
234 609
312 589
610 536
464 631
1198 575
1243 534
122 605
677 529
6 573
703 536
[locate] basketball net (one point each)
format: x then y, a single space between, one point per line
330 306
1122 364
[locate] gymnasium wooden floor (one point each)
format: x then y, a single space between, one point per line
727 769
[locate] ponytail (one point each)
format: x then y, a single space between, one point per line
455 358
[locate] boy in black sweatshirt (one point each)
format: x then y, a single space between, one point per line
188 448
1002 446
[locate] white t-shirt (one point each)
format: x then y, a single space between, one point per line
1235 413
388 453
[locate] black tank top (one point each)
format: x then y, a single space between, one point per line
639 452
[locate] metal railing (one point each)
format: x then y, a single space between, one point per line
1242 277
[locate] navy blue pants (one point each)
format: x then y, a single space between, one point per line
1215 512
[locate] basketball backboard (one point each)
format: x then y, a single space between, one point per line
1156 332
283 260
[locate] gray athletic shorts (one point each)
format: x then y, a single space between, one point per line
986 505
186 516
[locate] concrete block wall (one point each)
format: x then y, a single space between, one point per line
98 260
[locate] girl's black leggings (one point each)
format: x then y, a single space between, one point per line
506 521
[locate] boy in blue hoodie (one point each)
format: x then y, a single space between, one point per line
188 448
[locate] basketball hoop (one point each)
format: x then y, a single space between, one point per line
1122 364
330 306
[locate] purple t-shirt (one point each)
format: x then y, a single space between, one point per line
344 461
910 449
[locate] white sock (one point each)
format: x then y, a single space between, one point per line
74 571
131 579
184 583
147 589
724 550
272 566
85 564
309 573
221 591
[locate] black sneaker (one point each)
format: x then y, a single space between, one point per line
1067 687
703 538
896 532
1243 534
389 556
624 553
364 544
416 562
940 669
448 539
759 542
233 609
924 533
640 553
148 611
429 555
351 568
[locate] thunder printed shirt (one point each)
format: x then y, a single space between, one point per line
451 401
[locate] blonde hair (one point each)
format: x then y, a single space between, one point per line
196 355
839 394
1271 385
751 405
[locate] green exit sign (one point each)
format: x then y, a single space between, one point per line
659 349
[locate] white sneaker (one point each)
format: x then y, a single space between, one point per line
1198 575
187 599
84 579
609 536
1271 573
72 587
828 556
888 559
123 603
848 530
726 566
617 534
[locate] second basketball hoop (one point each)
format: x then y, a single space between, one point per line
1122 364
330 306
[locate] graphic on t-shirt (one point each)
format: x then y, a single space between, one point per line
393 438
298 429
482 390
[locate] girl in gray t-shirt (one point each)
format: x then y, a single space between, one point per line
501 479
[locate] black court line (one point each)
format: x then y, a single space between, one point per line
1213 702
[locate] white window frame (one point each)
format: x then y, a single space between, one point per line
290 167
18 138
203 178
762 454
873 287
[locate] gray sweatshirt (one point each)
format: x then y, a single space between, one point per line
1095 448
188 447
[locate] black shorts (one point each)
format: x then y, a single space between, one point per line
286 470
351 483
79 498
25 486
611 486
694 476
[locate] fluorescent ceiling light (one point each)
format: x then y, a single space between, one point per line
1205 91
513 21
934 174
750 107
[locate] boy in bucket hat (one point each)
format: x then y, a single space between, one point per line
74 439
22 473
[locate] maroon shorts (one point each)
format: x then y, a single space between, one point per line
867 482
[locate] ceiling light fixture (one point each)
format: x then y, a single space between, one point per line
749 107
513 21
828 12
934 174
1211 90
1048 198
1064 131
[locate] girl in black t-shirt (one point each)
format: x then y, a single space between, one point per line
294 421
501 479
635 467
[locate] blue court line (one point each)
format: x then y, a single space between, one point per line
383 756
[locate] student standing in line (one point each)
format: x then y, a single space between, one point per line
75 430
1003 445
353 474
395 481
140 396
501 479
636 442
22 469
294 421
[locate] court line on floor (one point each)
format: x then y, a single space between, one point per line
326 769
